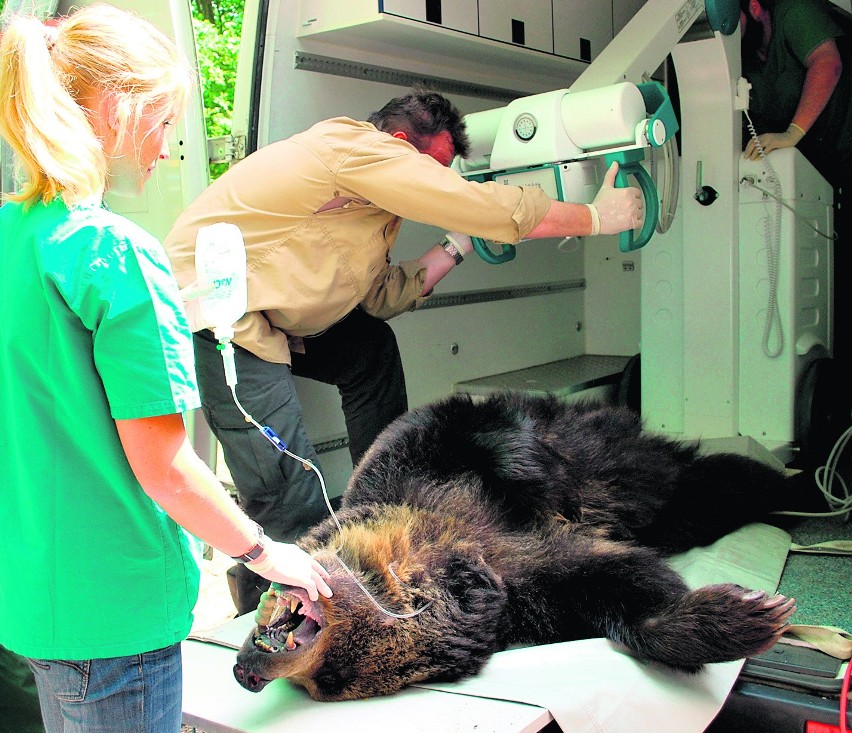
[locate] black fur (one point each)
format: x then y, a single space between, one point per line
524 520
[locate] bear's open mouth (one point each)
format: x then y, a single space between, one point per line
298 622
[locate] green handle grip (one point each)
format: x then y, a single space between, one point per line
626 242
481 248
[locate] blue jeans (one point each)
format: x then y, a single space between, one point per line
140 693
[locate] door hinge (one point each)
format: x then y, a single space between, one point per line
226 149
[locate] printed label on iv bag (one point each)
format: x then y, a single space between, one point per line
220 262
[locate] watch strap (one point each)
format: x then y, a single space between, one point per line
257 549
452 249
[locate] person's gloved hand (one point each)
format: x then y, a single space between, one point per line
773 141
267 607
461 242
285 563
616 210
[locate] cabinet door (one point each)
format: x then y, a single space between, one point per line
623 11
460 15
530 25
582 28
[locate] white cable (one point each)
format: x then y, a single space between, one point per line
838 505
772 237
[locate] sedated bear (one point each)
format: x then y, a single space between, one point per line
475 525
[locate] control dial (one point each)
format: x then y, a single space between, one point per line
525 127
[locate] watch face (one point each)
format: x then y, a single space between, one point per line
525 127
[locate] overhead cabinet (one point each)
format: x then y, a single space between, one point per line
576 30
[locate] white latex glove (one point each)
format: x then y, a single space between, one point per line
616 210
461 242
773 141
285 563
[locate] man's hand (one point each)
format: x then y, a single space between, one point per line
770 141
616 210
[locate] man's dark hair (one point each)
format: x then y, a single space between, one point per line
421 115
753 37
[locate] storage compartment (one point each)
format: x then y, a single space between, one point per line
529 25
581 28
460 15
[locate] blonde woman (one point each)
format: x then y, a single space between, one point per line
96 368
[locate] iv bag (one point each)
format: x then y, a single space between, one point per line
220 262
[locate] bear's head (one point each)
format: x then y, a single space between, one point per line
403 611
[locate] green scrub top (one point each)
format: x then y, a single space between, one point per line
92 329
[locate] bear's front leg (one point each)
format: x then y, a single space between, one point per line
630 595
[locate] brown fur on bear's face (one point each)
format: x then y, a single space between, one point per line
405 559
332 665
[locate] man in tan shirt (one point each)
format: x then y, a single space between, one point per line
319 213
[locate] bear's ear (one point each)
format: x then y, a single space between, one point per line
472 623
474 585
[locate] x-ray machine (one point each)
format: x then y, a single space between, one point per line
730 328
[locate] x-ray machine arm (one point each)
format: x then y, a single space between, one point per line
689 338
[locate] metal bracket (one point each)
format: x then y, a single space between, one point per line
370 72
226 149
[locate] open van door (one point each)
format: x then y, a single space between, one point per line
245 112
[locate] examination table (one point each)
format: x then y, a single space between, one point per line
584 686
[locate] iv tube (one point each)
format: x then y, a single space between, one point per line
228 356
220 264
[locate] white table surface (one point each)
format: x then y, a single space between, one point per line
215 702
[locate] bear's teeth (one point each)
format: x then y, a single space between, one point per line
266 646
293 603
291 642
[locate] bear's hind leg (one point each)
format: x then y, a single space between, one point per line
716 623
717 494
630 595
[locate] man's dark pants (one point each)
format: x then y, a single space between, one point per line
360 356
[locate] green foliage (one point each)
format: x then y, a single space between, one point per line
217 25
217 61
217 29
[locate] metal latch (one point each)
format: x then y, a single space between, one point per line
226 149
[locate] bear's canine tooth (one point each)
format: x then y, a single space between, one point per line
291 642
293 603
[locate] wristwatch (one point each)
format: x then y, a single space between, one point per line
452 250
256 551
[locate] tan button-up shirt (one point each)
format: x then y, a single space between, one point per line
320 212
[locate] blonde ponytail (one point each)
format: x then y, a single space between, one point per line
47 75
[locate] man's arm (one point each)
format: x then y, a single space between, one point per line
824 67
614 210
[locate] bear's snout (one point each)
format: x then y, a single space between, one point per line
249 680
